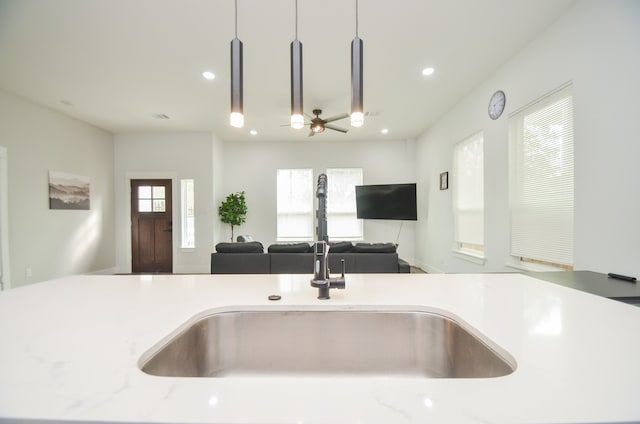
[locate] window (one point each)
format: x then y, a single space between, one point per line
151 199
468 195
187 214
294 205
342 222
541 193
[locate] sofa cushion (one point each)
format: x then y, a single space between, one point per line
291 263
290 248
374 248
239 263
248 247
340 247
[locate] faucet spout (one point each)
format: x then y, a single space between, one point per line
321 279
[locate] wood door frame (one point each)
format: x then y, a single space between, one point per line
156 226
126 232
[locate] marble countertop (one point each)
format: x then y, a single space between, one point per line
69 351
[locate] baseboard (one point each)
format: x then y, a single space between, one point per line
428 268
106 271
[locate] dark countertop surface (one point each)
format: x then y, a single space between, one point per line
594 283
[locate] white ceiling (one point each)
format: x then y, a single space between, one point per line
118 62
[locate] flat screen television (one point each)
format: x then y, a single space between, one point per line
387 201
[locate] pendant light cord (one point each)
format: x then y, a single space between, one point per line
356 18
236 22
296 19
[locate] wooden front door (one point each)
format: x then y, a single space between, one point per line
151 226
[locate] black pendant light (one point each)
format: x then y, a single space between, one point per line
236 118
357 108
297 117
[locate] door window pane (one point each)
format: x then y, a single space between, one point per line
158 192
144 192
158 205
144 205
188 214
151 199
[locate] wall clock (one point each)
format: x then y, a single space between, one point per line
496 104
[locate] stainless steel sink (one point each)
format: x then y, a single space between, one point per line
311 342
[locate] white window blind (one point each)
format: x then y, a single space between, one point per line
188 214
541 192
468 193
294 204
342 221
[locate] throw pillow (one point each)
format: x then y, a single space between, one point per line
374 248
248 247
290 248
340 247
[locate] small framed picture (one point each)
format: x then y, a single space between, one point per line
444 181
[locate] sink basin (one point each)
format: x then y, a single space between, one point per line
337 342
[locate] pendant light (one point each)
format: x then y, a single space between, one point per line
357 109
236 118
297 118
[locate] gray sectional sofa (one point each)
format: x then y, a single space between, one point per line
248 258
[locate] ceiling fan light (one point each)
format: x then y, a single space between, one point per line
357 119
297 121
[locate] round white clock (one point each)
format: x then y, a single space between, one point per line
496 104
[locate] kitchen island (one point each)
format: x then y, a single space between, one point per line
71 350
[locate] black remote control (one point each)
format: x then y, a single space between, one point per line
622 277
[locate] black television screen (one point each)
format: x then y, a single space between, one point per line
387 201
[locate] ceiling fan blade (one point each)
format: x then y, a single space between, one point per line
333 127
289 125
336 117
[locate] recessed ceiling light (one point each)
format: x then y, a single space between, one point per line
427 71
208 75
253 132
384 130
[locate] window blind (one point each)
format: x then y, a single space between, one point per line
468 192
541 184
342 220
294 204
187 214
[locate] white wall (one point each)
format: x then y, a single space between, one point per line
173 156
251 167
54 243
219 194
597 46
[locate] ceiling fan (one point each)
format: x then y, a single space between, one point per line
318 125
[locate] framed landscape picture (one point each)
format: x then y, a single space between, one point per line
68 191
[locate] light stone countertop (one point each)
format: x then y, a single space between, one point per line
69 352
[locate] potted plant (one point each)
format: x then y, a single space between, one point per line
233 210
